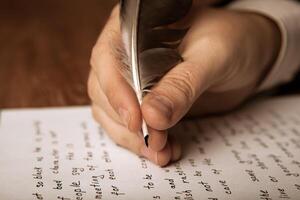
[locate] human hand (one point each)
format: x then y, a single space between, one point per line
226 55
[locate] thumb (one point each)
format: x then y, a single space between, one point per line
176 92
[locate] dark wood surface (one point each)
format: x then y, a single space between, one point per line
45 48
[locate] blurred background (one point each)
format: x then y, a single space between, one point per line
45 48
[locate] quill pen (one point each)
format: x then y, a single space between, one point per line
149 42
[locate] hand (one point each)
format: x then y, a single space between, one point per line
226 55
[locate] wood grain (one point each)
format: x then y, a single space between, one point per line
45 48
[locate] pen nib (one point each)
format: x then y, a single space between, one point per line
146 140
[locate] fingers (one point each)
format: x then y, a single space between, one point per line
117 132
157 139
161 158
135 142
106 65
206 60
114 100
98 98
174 95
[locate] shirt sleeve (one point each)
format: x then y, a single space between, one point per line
286 13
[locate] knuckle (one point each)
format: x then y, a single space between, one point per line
221 53
111 94
216 42
216 45
112 97
115 11
183 82
106 46
95 54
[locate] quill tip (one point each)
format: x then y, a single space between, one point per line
146 138
145 133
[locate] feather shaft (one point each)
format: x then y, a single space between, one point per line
136 70
150 43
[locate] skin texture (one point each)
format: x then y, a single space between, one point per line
226 55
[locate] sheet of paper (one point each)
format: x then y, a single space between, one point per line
250 154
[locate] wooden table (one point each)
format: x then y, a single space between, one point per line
45 48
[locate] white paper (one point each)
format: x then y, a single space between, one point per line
250 154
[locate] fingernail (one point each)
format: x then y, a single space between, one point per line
162 104
125 116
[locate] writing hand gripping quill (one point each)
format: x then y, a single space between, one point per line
150 43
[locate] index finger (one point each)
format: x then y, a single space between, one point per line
107 64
